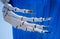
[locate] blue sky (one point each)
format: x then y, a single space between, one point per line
5 28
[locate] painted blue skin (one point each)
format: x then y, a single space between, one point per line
42 8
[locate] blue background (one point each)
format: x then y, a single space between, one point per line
42 8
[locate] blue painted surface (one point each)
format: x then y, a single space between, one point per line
42 8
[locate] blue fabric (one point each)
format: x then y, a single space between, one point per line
42 8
